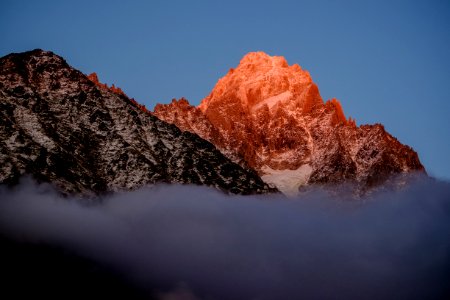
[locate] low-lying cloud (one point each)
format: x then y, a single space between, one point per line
188 242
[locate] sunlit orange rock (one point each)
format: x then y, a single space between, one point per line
271 117
94 78
116 90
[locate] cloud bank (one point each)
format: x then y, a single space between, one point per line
185 242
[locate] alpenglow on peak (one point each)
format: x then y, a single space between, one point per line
270 116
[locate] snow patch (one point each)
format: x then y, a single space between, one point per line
271 101
31 125
287 181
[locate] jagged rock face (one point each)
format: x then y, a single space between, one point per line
60 126
271 116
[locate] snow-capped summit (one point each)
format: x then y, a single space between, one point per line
270 116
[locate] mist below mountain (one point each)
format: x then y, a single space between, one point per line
191 242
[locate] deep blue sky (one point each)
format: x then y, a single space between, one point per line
386 61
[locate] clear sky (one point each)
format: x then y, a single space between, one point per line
386 61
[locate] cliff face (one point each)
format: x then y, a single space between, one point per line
60 126
270 116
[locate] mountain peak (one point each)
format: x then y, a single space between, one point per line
87 138
270 116
35 52
262 58
36 57
261 79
